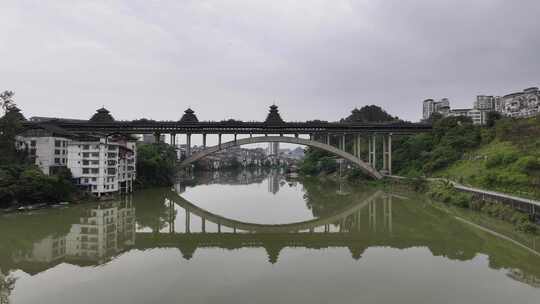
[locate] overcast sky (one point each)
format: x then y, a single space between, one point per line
234 58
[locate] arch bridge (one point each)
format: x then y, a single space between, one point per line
343 139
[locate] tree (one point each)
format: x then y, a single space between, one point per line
10 126
156 164
370 113
434 117
492 117
7 284
6 101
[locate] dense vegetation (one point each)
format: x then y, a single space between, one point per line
155 165
21 182
371 113
504 157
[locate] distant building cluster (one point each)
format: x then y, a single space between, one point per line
520 104
235 156
238 156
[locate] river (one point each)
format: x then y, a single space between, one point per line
259 237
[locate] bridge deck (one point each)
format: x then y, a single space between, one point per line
238 127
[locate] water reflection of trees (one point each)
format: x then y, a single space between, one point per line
155 213
405 223
323 197
7 284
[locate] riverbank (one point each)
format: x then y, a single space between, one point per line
450 193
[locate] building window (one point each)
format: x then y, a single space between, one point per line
95 154
95 170
56 152
32 143
94 179
85 162
57 143
86 154
85 170
57 161
86 147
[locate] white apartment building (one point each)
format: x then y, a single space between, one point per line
99 164
102 165
521 104
478 117
47 149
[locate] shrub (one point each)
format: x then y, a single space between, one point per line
527 164
502 158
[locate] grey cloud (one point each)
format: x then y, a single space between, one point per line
315 59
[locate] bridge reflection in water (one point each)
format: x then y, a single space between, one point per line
336 230
163 218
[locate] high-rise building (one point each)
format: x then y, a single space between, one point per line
484 103
521 104
431 106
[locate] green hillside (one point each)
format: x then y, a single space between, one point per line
503 157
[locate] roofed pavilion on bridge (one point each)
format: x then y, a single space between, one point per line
273 117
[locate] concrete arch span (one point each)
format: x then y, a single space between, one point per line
273 228
369 170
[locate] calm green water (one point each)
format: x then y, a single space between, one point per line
256 237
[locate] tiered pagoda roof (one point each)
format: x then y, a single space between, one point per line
102 115
189 116
273 117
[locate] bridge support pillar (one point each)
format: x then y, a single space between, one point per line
390 154
203 225
355 153
359 146
328 139
235 137
373 150
343 147
358 222
173 139
157 137
188 144
385 154
219 140
188 222
204 140
390 213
